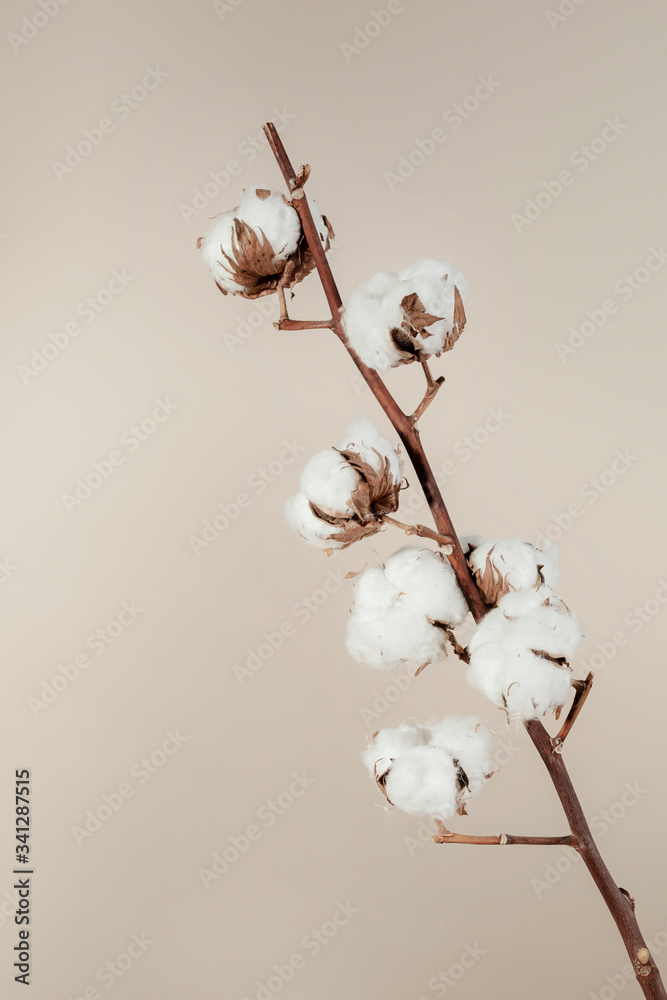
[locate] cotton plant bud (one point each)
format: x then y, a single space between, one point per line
345 492
430 771
501 567
394 319
249 248
404 610
521 662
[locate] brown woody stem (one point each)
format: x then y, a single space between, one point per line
445 836
432 386
582 690
303 324
617 900
419 529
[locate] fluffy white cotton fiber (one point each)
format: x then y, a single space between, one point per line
391 624
393 319
270 217
340 500
431 770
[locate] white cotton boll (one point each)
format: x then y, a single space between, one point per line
311 528
389 744
526 685
384 631
274 217
437 297
469 742
514 561
363 437
505 660
436 269
329 481
429 584
551 627
218 239
423 781
366 326
386 638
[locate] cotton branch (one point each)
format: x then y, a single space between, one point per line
617 900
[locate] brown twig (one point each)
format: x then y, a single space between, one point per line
419 529
617 900
621 909
432 386
582 690
303 324
445 836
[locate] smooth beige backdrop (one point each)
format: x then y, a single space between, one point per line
216 393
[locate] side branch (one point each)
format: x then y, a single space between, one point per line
582 690
303 324
419 529
445 836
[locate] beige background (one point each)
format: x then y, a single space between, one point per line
169 335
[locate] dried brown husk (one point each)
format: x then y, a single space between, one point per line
376 494
492 583
416 323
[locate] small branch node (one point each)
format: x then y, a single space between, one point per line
644 956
